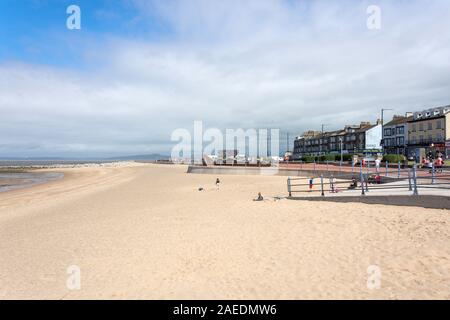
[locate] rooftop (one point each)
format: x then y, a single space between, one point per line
358 128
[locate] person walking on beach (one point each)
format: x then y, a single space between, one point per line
217 183
377 164
311 184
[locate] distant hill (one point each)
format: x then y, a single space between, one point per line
153 156
32 158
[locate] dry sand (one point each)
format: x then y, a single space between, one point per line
146 232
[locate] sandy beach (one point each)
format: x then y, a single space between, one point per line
146 232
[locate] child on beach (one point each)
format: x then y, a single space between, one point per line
311 184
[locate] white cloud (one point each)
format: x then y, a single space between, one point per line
231 64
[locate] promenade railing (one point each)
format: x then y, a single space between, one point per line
329 178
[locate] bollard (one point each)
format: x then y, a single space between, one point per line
321 185
361 179
367 185
353 166
289 186
387 169
362 185
416 192
399 169
433 173
327 167
409 180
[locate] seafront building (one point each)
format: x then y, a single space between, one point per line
364 138
395 134
416 135
429 133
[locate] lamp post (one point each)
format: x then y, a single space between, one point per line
382 126
321 145
432 151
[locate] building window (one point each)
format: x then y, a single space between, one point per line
413 128
401 130
430 125
439 124
400 141
421 126
387 132
421 139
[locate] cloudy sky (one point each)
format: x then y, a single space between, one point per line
139 69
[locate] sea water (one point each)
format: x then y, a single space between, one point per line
18 180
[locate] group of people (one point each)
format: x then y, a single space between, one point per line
429 162
374 179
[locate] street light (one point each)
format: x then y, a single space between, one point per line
382 125
323 125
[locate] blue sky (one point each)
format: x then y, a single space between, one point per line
140 69
35 30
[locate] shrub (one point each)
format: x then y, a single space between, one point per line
393 158
308 159
347 157
327 157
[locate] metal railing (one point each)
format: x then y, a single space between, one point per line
410 179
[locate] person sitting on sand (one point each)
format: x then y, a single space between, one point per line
378 179
259 198
354 184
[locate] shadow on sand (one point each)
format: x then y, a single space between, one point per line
423 201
